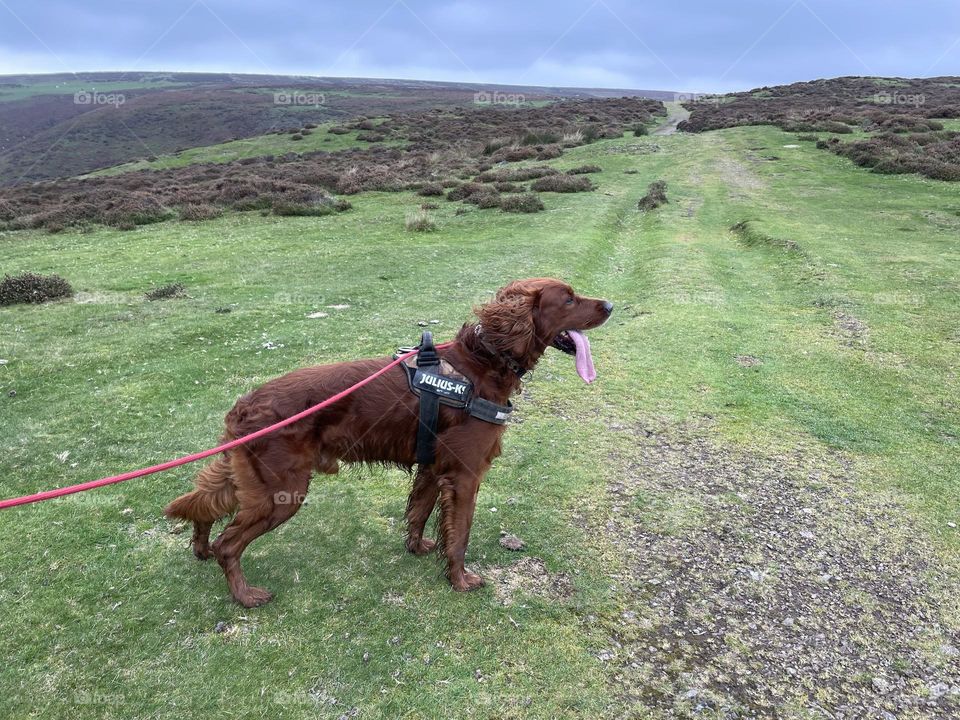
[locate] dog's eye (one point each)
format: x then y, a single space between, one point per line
569 301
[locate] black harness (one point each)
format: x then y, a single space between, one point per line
436 382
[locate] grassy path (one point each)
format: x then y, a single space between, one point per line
773 407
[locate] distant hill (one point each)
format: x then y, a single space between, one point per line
68 124
890 125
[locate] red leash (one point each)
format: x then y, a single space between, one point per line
60 492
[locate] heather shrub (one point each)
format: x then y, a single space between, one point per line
33 288
584 169
524 203
200 211
655 197
166 292
430 189
562 183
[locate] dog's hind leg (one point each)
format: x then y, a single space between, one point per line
422 500
270 490
213 498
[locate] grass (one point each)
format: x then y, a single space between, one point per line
114 618
257 146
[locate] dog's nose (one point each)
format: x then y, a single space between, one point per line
607 307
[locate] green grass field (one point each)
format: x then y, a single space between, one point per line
257 146
834 325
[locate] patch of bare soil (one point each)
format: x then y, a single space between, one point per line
771 587
853 332
527 576
738 176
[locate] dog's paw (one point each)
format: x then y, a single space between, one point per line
251 597
467 582
421 546
202 551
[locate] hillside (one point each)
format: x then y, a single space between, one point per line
890 125
61 125
751 513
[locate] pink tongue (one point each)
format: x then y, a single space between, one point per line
584 359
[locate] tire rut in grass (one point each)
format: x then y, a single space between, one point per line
772 587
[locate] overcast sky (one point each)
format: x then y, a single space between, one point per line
693 45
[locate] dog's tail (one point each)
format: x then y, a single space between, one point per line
213 498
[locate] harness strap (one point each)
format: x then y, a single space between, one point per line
427 357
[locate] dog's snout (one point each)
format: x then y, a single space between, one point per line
607 307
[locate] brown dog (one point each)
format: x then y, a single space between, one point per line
266 481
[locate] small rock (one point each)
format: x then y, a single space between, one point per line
881 685
886 715
938 690
395 640
512 542
493 509
422 323
221 627
952 525
434 322
12 393
788 622
606 655
478 675
366 657
3 362
315 315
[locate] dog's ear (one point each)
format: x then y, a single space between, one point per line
509 320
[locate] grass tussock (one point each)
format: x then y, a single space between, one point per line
420 221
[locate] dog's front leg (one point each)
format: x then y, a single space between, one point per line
423 498
458 500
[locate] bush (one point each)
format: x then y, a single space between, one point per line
807 138
508 187
562 183
584 169
296 136
655 197
428 206
525 203
420 221
639 130
32 288
539 137
165 292
517 174
338 130
431 189
200 211
341 205
488 198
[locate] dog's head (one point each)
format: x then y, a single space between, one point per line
527 316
